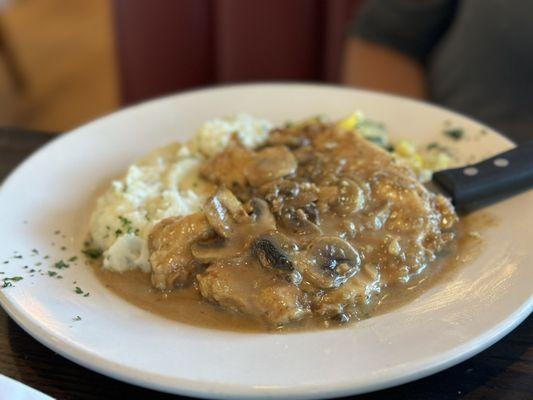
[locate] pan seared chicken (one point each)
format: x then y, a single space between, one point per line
317 223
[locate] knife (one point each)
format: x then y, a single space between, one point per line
477 185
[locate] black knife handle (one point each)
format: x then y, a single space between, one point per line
489 180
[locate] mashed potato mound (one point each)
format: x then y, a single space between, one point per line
163 184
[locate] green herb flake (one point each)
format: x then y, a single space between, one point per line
59 277
454 134
57 232
6 262
92 253
31 271
63 248
61 264
18 256
72 259
8 282
52 273
78 290
124 220
126 224
46 257
35 251
38 264
86 294
76 318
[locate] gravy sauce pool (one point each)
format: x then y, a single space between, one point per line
187 306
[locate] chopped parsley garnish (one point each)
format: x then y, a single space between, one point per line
86 294
63 248
52 273
17 256
46 257
72 259
6 262
78 290
76 318
38 264
61 264
126 225
92 253
8 282
35 251
455 134
57 232
31 271
124 220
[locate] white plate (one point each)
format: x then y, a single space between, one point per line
55 189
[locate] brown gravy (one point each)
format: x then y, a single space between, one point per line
187 306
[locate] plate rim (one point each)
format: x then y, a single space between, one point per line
196 388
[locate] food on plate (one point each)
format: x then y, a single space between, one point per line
281 225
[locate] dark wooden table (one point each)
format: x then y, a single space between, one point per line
504 371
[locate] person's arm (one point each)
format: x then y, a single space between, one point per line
374 66
390 41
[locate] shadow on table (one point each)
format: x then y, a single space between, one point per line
503 371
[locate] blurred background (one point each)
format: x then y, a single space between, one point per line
65 62
57 63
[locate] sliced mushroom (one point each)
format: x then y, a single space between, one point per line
298 221
350 199
260 214
238 233
274 252
223 211
330 262
270 164
213 250
169 245
290 139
